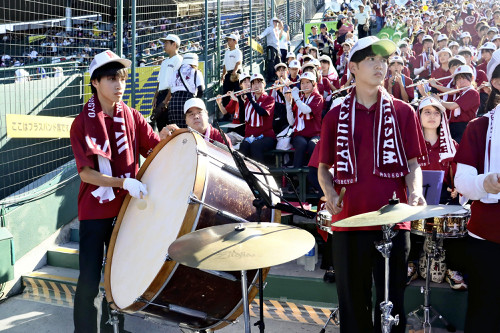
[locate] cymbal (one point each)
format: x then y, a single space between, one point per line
391 214
226 248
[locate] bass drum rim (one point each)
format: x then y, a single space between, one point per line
166 270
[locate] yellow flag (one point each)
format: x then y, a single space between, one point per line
256 46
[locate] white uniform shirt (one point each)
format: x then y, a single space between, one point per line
175 82
231 58
362 17
167 69
272 35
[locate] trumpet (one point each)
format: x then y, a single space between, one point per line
425 81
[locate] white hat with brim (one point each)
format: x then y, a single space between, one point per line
465 34
280 65
445 49
233 36
459 58
290 55
256 76
428 38
442 37
190 59
431 101
243 76
194 102
294 64
308 76
383 47
453 43
495 38
172 38
106 57
462 69
309 64
493 64
488 46
397 59
464 49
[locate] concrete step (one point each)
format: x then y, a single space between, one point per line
65 255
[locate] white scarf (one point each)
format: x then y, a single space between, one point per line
300 124
492 159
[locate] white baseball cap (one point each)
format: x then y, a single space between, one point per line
464 49
463 69
465 34
442 37
492 64
294 64
431 101
459 58
243 76
194 102
495 38
445 49
172 38
190 59
488 46
256 76
308 76
453 43
396 58
233 36
106 57
308 64
384 47
280 65
428 37
290 55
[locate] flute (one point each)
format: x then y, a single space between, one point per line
424 81
445 93
245 91
345 88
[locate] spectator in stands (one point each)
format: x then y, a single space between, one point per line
272 49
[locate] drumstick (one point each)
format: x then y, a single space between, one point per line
341 197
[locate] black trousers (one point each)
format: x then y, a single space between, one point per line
228 85
361 32
273 58
304 148
483 304
257 149
357 261
94 235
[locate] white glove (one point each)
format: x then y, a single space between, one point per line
295 93
135 187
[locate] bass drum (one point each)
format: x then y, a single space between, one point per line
139 275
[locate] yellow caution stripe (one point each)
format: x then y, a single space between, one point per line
288 311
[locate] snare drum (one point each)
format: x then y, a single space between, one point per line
447 226
184 175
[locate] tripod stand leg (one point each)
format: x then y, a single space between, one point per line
333 316
449 327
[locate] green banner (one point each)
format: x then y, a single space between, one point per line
331 25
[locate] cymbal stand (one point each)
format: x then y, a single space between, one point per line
435 251
244 292
334 316
384 247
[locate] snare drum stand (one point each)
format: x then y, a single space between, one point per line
433 250
384 247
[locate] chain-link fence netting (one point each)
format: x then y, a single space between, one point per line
46 48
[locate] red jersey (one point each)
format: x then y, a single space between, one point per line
233 108
312 120
214 134
484 217
434 164
256 124
468 102
439 73
370 192
89 207
396 89
470 22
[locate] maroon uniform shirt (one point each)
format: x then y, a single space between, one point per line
468 101
484 217
89 207
257 125
396 89
370 192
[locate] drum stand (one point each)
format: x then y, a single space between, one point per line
384 247
435 252
334 316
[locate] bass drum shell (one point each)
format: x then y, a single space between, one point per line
138 274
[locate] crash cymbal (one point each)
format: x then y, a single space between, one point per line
231 248
391 214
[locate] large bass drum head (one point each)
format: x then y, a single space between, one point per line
144 235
